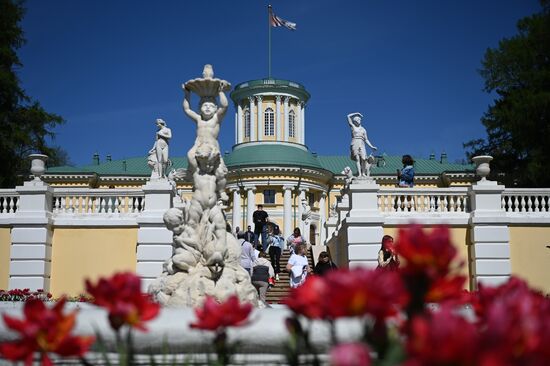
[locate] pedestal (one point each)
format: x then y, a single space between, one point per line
154 242
31 238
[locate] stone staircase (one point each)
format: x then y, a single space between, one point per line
282 287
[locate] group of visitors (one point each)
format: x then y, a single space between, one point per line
268 240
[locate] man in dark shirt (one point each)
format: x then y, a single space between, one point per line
249 235
260 228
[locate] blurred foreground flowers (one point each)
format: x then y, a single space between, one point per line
417 315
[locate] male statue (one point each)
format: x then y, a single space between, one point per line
358 140
208 128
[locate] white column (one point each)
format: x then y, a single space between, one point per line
154 240
239 134
250 205
322 218
252 120
490 235
261 131
301 196
237 209
287 210
286 100
236 127
302 123
31 238
278 118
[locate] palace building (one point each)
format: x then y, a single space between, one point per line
270 163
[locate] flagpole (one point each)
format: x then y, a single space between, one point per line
269 41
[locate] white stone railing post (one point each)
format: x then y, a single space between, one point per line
363 224
31 234
490 237
154 240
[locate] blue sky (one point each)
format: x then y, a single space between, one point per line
110 68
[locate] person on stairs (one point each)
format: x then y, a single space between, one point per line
298 266
276 244
261 273
324 264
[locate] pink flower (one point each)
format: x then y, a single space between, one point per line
350 354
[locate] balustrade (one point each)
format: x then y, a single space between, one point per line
9 201
97 201
423 200
526 200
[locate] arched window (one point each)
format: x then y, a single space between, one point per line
247 123
269 122
291 124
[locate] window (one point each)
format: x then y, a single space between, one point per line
247 123
269 196
269 122
291 124
311 199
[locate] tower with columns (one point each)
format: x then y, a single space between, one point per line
270 163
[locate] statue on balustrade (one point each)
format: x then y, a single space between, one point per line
357 147
158 156
206 257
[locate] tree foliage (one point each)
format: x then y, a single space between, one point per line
518 121
25 127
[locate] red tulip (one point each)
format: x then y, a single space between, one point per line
516 323
362 291
350 354
217 316
448 289
121 295
43 330
309 299
442 338
430 254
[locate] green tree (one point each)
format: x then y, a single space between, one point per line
25 127
518 121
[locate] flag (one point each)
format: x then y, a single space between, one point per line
280 22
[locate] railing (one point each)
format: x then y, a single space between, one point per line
9 201
526 200
97 201
423 200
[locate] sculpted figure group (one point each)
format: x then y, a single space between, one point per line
206 256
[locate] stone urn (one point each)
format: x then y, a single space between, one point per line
38 165
482 166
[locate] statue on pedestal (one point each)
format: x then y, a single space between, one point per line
358 150
206 259
158 156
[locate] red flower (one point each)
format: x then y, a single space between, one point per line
350 354
121 295
309 299
362 291
516 324
430 254
216 316
442 338
43 330
448 290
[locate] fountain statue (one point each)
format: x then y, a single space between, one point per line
206 257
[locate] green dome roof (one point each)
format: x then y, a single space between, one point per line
253 87
271 154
